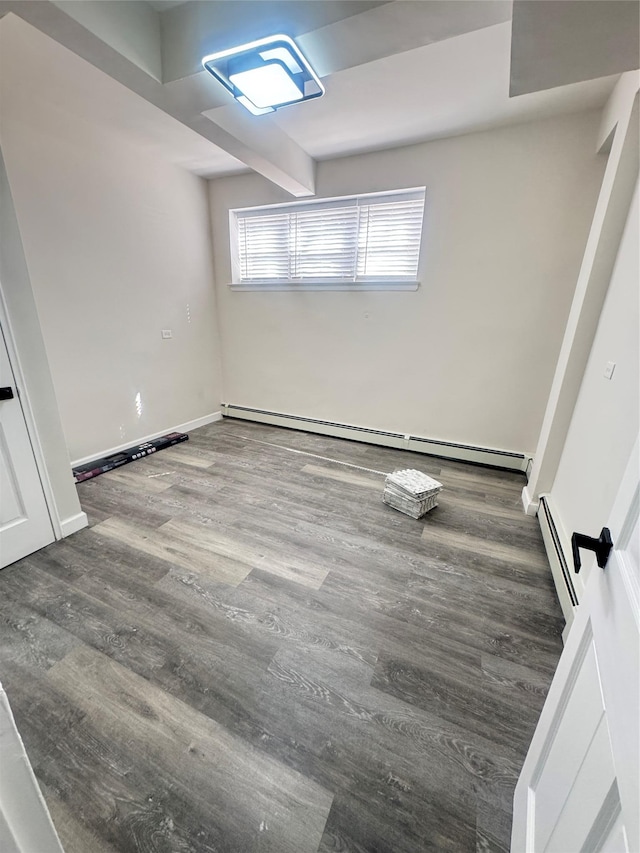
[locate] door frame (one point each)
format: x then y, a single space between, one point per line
30 421
30 363
625 507
622 520
25 822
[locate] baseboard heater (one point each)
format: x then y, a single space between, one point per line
123 457
560 569
433 447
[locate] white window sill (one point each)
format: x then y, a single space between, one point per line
322 285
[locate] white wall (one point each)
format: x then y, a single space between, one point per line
618 137
470 356
605 421
118 248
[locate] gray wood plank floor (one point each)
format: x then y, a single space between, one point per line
248 651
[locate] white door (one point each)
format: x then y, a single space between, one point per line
25 525
579 787
25 824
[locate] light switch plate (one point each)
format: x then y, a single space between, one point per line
609 368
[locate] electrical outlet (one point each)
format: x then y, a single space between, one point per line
609 368
166 334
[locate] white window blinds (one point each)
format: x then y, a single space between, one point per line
347 240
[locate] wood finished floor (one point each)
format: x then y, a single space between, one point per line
247 651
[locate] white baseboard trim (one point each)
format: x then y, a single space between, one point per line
561 568
189 425
73 523
194 424
531 507
507 459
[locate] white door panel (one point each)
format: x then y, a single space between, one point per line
579 788
11 509
25 823
25 525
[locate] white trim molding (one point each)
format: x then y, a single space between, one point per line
27 354
557 545
310 284
29 418
530 506
507 459
73 524
189 425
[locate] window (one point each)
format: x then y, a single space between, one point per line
360 242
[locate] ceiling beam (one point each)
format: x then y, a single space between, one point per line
157 55
270 152
131 28
277 147
193 30
558 42
397 27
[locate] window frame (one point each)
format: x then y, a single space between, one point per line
394 283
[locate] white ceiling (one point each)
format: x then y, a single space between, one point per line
443 89
163 5
46 74
395 73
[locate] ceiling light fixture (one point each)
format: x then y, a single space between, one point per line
265 75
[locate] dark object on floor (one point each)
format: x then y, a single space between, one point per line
108 463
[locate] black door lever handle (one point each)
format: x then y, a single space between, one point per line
6 393
602 547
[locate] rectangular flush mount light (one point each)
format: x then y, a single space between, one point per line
265 75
